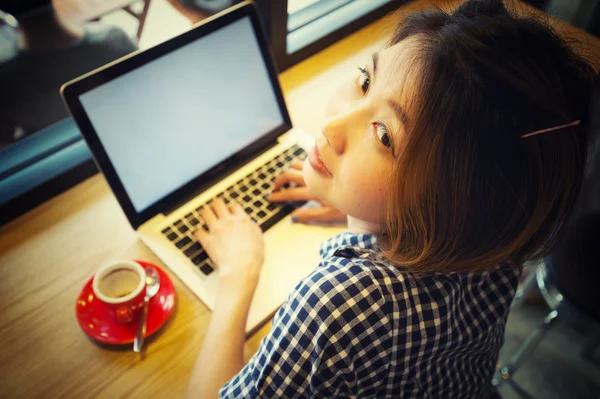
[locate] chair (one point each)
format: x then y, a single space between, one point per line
197 10
209 6
93 10
568 281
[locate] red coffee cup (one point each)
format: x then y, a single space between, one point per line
121 286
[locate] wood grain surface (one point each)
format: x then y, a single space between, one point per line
49 253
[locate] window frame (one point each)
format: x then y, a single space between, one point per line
278 28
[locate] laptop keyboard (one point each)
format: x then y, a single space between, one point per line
250 192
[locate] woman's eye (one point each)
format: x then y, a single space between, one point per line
364 80
383 135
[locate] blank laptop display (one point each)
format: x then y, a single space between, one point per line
168 121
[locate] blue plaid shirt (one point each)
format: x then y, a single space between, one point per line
360 327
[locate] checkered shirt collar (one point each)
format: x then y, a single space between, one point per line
347 244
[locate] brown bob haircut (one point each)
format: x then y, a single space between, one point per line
469 193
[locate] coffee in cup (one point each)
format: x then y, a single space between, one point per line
121 286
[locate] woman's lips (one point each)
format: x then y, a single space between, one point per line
314 159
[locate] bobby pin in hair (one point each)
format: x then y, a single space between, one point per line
574 123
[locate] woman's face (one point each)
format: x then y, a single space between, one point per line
351 164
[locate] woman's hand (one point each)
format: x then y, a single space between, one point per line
233 242
326 213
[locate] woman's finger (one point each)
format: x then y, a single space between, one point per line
237 209
208 215
292 194
289 176
325 214
220 208
202 236
297 165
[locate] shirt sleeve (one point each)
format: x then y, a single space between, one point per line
331 338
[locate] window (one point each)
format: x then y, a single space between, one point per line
45 43
311 20
315 24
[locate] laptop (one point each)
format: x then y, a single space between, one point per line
194 118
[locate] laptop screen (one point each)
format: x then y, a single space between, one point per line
168 121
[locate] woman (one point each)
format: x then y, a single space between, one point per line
457 153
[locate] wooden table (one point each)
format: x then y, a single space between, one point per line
49 253
90 10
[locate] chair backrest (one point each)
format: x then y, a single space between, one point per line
575 266
576 259
589 199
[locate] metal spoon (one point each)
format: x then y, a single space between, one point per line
152 286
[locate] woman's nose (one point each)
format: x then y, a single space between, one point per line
340 129
335 135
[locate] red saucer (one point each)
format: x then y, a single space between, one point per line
95 321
